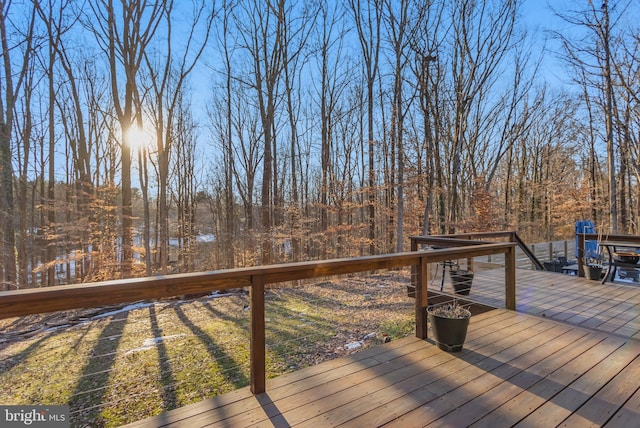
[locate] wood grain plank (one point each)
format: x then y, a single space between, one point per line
602 313
629 414
506 393
626 313
607 307
291 381
598 409
575 394
404 404
476 379
516 377
466 364
242 399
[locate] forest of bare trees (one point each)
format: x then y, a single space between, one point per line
139 138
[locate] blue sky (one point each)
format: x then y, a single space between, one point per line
540 20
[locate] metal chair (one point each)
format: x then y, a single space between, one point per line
447 264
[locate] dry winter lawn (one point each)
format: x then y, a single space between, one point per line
114 366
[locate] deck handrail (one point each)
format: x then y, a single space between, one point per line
50 299
460 238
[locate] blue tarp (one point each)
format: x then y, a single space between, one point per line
590 247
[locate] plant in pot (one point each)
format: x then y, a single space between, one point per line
449 323
461 280
593 267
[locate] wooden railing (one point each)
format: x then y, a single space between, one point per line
583 237
477 237
41 300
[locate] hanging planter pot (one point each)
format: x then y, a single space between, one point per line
461 280
449 325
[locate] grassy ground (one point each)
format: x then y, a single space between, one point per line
125 366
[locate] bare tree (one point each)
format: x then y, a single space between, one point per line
627 67
16 62
295 35
591 57
261 25
124 41
479 49
58 19
426 45
185 183
225 134
168 77
367 19
332 87
403 21
265 28
241 154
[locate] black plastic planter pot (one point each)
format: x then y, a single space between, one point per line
461 280
448 333
592 272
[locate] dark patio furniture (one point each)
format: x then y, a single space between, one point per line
621 255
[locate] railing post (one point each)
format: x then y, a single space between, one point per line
421 297
257 347
510 278
580 254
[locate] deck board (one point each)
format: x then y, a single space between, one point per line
609 307
628 415
567 356
598 409
400 367
436 381
547 387
569 400
513 400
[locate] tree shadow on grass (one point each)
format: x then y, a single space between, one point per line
86 401
241 319
44 361
166 375
13 361
229 368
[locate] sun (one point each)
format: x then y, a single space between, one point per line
138 138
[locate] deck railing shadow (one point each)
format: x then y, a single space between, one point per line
43 300
548 384
494 361
419 375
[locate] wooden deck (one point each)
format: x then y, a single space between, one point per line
567 357
612 307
